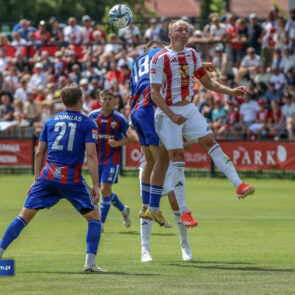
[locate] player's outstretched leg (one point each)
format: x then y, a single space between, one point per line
92 241
157 180
225 165
145 234
15 228
125 210
186 251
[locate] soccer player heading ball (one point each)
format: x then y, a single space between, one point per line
171 76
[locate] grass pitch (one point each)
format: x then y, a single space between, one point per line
240 247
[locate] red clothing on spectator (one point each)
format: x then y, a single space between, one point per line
232 118
37 35
95 105
116 75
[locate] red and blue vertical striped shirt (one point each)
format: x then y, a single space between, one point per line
115 127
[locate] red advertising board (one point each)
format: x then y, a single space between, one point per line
14 152
245 155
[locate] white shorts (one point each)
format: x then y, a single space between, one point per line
192 129
168 184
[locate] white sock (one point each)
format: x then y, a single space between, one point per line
1 252
90 259
145 232
224 164
181 229
179 185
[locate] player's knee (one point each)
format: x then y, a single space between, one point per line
176 155
92 215
106 190
207 142
27 214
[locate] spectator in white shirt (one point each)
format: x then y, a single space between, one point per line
288 61
21 92
248 111
278 79
288 110
249 65
39 78
86 30
217 30
290 30
72 29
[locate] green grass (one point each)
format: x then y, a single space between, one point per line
240 247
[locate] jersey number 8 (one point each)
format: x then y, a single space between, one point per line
143 65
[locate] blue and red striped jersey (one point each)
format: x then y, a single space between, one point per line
140 81
115 127
66 135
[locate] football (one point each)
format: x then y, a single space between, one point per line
120 16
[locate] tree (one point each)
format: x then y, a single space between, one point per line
209 6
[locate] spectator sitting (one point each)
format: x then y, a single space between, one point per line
42 30
31 109
6 114
163 33
127 34
218 116
72 29
288 111
248 111
25 29
254 32
76 74
113 45
231 126
278 79
288 61
272 94
249 65
45 116
21 92
221 62
207 108
115 73
152 33
277 58
39 78
17 40
40 96
58 72
263 116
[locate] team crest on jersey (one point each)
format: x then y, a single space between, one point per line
94 134
189 57
184 73
113 124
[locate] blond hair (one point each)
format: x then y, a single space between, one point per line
173 22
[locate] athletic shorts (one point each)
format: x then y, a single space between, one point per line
108 173
168 184
46 193
143 120
171 134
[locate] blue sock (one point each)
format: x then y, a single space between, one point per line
12 232
117 203
155 196
145 193
105 207
93 236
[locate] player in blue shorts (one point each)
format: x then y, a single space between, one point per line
142 118
65 137
112 133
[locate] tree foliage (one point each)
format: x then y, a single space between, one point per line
208 6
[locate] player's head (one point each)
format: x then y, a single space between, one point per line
71 96
107 100
153 45
178 31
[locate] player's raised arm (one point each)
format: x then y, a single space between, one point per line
93 169
217 87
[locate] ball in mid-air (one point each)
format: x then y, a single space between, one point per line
120 16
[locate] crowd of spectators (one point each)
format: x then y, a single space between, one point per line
37 61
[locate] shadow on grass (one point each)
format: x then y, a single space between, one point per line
137 233
92 273
193 264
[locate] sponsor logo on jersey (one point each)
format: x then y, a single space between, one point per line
153 71
105 136
113 124
174 59
94 134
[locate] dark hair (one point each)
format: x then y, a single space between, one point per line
71 94
106 92
152 43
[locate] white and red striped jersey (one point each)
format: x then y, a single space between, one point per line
175 71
